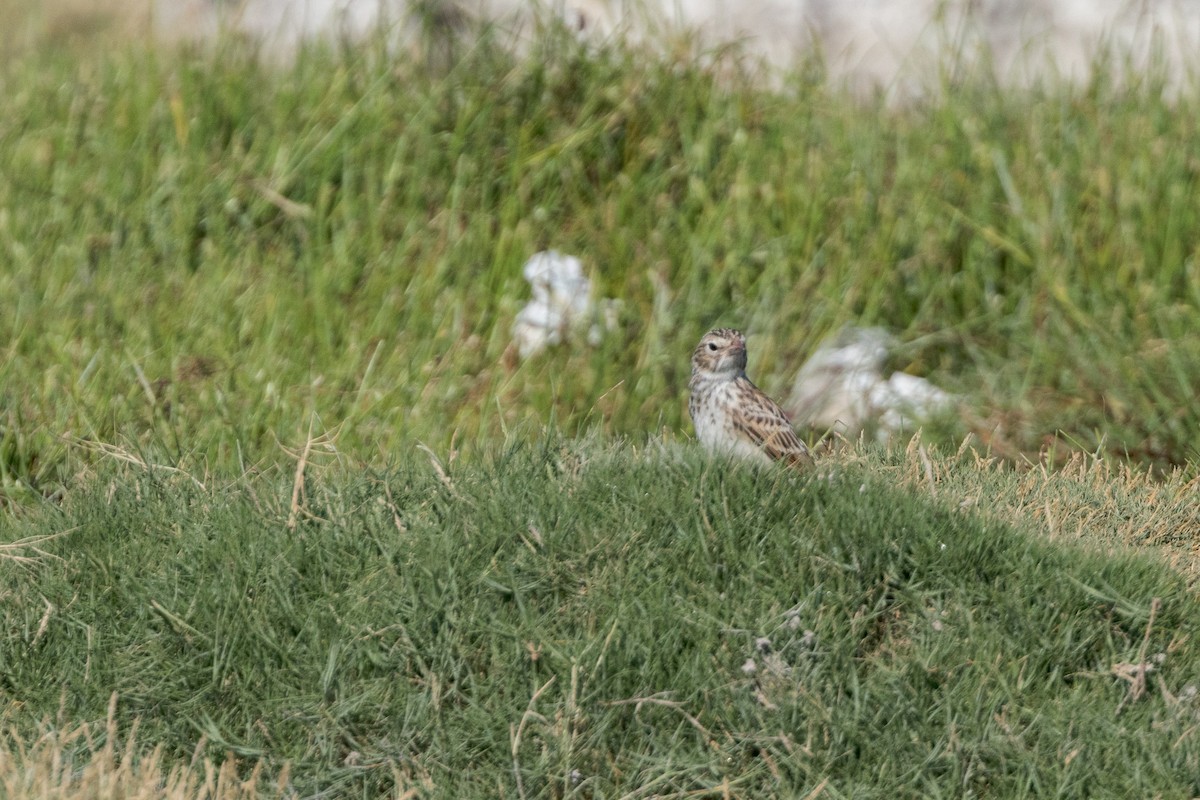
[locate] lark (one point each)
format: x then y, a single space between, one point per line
731 414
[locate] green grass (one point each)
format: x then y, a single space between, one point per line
208 260
202 253
580 615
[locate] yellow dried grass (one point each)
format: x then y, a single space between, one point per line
83 761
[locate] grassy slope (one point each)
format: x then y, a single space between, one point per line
587 613
201 252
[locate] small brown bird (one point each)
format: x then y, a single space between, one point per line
731 414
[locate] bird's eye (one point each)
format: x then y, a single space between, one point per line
712 346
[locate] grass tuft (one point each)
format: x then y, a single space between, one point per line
93 762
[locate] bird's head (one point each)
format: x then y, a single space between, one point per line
720 354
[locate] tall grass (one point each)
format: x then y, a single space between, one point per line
568 619
203 254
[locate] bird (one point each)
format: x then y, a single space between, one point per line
732 415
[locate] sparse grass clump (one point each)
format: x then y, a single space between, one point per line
566 619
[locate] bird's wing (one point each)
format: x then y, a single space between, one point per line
762 421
